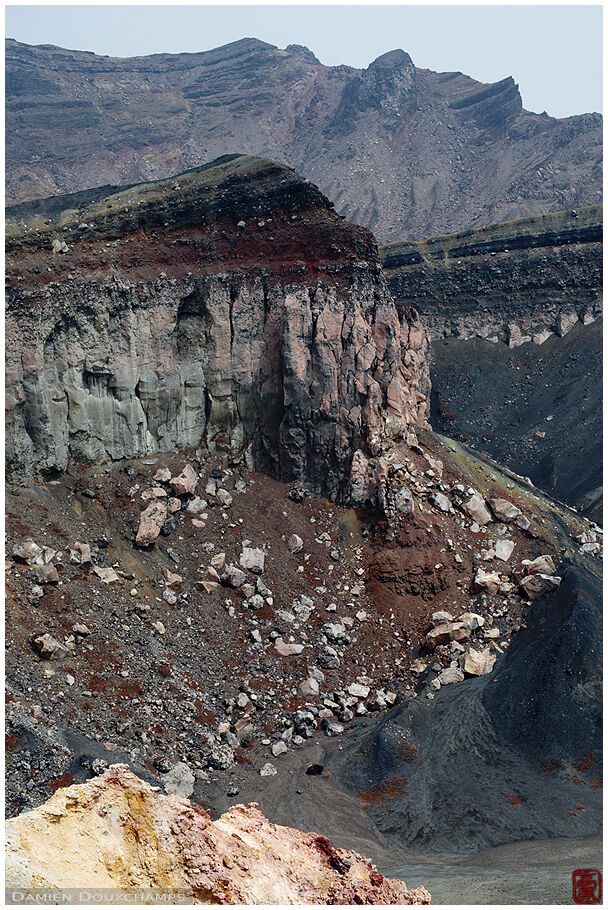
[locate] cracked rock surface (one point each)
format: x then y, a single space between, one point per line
153 334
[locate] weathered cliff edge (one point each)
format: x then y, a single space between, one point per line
229 307
118 832
517 282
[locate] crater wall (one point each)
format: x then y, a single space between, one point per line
227 308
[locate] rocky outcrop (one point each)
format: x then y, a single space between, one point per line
229 308
400 149
516 282
513 311
118 832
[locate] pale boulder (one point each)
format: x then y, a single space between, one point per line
185 483
487 581
477 509
252 558
287 649
450 675
478 663
504 549
151 521
295 543
179 781
447 632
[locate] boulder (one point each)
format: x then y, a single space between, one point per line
504 510
358 691
336 632
196 505
46 575
504 549
233 577
163 475
154 493
310 687
509 513
441 616
179 781
487 581
287 649
450 675
537 585
478 663
48 648
543 564
401 500
80 554
185 483
151 521
295 543
442 502
28 552
252 558
106 574
218 561
171 578
218 756
447 632
224 498
477 509
474 620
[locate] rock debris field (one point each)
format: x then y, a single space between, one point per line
200 620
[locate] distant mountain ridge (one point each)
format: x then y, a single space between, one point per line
403 151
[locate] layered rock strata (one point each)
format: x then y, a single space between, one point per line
120 833
228 308
517 282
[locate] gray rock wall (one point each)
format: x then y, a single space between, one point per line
99 371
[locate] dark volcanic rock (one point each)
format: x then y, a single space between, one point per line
516 282
514 755
402 150
498 400
511 310
227 307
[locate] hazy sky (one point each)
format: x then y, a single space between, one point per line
553 52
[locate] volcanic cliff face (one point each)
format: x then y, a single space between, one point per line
513 311
118 832
229 307
405 151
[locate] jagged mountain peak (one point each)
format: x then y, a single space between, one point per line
392 60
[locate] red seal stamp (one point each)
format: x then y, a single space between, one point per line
587 886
